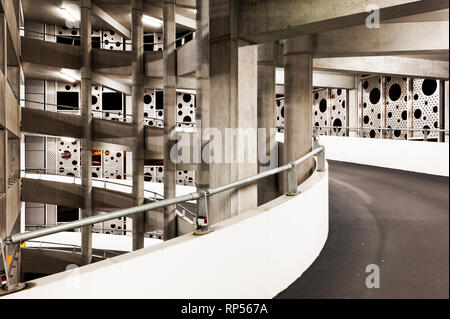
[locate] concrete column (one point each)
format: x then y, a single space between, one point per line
410 106
298 103
446 111
169 86
137 101
233 84
3 178
3 44
86 113
268 188
202 85
353 108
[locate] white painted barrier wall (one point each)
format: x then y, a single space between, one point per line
415 156
254 255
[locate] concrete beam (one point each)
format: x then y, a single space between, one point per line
157 12
270 20
116 26
51 54
111 84
70 194
391 65
322 79
389 39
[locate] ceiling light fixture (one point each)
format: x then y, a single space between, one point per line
68 75
68 14
152 21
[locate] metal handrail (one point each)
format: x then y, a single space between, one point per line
71 37
40 242
70 109
200 196
126 116
155 196
382 129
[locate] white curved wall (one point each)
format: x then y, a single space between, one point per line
415 156
253 255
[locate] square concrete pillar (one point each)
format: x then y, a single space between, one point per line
233 105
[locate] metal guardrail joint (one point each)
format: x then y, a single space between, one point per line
202 220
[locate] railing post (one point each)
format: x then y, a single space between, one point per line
5 265
425 135
201 221
321 160
292 180
320 156
390 133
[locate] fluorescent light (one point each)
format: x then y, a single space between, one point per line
152 21
70 76
67 14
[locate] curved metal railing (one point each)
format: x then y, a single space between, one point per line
182 210
76 249
125 117
390 131
74 38
202 225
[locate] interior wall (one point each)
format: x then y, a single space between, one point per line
277 241
414 156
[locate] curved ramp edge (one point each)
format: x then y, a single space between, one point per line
254 255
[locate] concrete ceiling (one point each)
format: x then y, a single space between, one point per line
47 11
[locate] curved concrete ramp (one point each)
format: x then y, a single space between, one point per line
398 220
253 255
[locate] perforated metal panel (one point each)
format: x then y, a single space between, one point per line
112 41
186 178
426 106
97 101
51 212
185 109
372 106
397 106
69 157
113 164
321 109
52 155
158 42
150 112
338 104
279 103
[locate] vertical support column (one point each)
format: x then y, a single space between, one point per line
410 107
232 109
267 188
383 134
202 85
137 101
3 178
298 103
353 109
169 83
3 44
446 111
86 114
347 113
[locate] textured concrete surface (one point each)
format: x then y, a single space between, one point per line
398 220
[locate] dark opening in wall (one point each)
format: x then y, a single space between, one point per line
67 39
96 158
68 99
159 100
112 101
67 214
96 42
148 42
